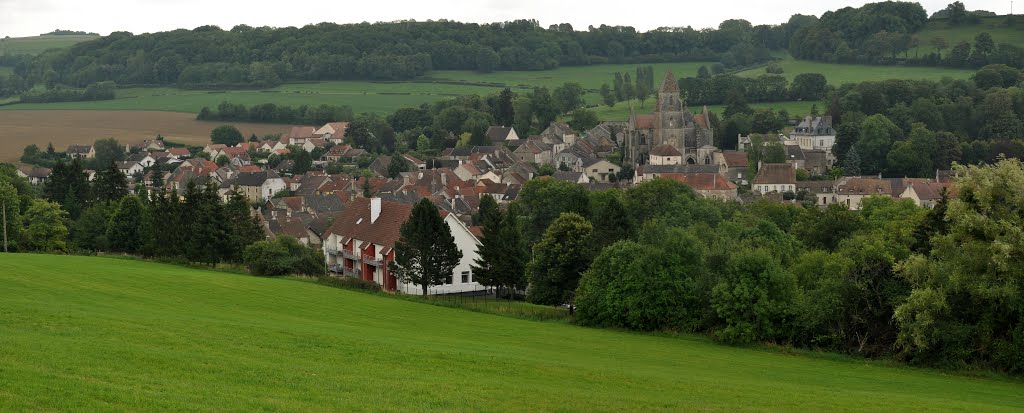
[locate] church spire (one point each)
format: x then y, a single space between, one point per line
669 85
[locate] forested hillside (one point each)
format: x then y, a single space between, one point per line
257 57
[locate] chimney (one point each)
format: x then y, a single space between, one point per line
374 209
444 179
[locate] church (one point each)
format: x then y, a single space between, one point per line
671 126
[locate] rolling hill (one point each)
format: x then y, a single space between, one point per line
85 334
38 44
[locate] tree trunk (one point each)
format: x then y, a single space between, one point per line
425 286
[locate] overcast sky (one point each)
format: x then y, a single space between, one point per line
31 17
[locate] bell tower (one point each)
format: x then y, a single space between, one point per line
669 115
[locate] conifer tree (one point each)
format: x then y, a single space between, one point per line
110 184
426 254
244 228
124 232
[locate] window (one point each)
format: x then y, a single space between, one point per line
465 277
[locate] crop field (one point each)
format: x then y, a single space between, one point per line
838 74
23 128
38 44
87 334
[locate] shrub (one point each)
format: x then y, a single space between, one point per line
284 255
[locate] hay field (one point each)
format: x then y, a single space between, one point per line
20 128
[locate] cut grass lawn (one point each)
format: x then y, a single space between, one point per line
38 44
85 334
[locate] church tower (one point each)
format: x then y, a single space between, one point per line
669 118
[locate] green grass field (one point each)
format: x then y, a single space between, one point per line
38 44
995 26
89 334
838 74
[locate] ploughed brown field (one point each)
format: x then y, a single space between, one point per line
20 128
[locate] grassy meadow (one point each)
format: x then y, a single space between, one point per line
38 44
838 74
87 334
620 111
995 26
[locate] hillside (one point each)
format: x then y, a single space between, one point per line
38 44
79 333
385 97
996 26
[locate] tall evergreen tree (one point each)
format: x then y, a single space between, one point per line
244 228
504 112
110 184
426 254
124 232
69 187
488 207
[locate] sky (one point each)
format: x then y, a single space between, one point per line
32 17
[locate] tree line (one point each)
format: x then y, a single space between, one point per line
71 214
888 281
879 33
244 56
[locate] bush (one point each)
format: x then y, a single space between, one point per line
348 283
284 255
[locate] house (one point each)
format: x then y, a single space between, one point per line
560 130
502 134
823 192
665 155
732 165
146 145
648 172
313 143
775 177
80 151
179 153
142 158
815 133
795 156
572 177
926 194
415 162
361 244
36 175
129 168
533 151
213 149
708 185
258 186
333 132
600 170
299 134
853 189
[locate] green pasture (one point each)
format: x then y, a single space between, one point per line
104 334
38 44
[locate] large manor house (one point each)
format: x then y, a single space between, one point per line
671 130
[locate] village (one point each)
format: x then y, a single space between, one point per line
355 220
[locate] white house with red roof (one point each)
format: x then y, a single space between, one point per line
361 244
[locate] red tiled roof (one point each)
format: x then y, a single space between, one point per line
354 222
735 159
301 132
645 122
775 173
665 150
